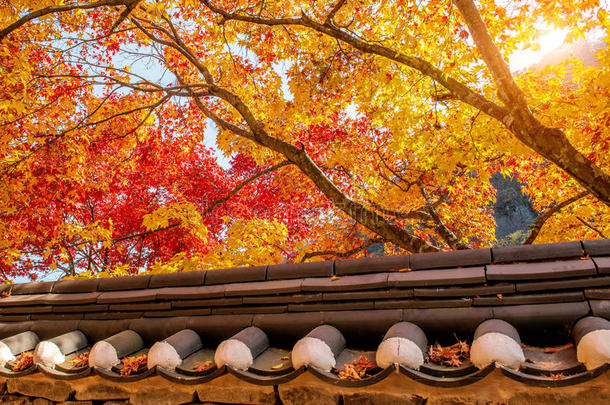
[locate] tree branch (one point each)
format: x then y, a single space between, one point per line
593 228
547 214
58 9
551 143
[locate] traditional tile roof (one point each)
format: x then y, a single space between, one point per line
268 325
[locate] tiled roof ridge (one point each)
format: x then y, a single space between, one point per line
366 265
498 296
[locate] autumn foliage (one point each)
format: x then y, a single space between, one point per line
186 134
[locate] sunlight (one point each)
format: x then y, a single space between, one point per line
548 41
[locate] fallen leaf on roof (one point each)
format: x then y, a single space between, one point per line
356 370
556 376
201 367
133 364
500 296
333 278
80 360
4 294
285 358
277 366
406 269
24 361
452 356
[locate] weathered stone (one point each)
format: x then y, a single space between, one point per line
461 400
161 397
376 398
42 401
231 390
576 396
96 389
35 386
308 395
20 401
76 403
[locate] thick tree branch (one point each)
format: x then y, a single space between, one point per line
547 214
59 9
551 143
439 226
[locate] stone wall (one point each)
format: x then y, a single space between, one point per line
495 389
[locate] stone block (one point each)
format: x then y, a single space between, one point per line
296 395
377 398
96 389
161 397
35 386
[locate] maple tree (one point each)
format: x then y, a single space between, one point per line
345 123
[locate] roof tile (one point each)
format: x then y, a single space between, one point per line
425 278
351 323
148 306
368 295
282 299
80 308
19 300
536 252
236 275
178 312
537 314
597 247
269 309
187 278
371 264
70 299
563 284
286 328
539 271
603 264
300 270
35 287
346 283
212 302
458 258
434 321
76 286
598 293
264 287
112 315
124 283
36 309
112 297
338 306
503 288
530 299
404 304
205 291
600 308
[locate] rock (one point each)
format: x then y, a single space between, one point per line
96 389
55 390
76 403
377 398
595 395
161 397
42 401
296 395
